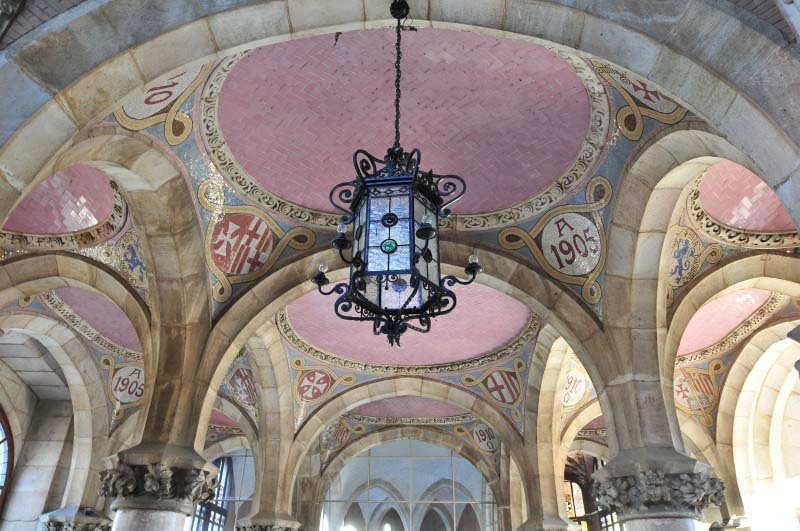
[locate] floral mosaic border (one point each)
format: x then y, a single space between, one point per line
288 332
775 302
733 236
65 312
590 152
411 421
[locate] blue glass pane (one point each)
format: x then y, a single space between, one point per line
433 479
377 233
401 232
378 207
377 260
400 259
400 206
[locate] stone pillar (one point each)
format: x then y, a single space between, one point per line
155 496
664 494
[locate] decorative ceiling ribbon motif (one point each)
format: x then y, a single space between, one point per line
125 384
502 385
481 436
314 384
697 391
288 332
161 102
569 241
69 241
242 243
733 236
642 100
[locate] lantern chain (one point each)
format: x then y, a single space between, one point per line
398 75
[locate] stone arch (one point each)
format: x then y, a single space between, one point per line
667 59
757 460
29 275
154 185
591 448
640 220
226 446
588 413
747 270
391 387
251 314
87 393
746 360
420 433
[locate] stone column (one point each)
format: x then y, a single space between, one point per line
666 494
156 495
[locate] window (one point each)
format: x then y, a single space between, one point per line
232 496
6 457
409 485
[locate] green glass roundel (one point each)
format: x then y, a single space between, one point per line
389 246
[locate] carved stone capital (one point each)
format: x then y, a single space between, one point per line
55 522
156 486
267 522
76 526
264 527
652 491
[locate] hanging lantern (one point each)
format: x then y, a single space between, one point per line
393 209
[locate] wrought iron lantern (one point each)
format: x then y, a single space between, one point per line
394 209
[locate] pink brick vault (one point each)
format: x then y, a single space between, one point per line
718 318
507 115
734 195
483 320
408 406
75 198
104 316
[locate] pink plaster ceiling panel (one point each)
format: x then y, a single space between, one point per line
596 424
72 199
103 315
218 418
483 320
409 406
718 318
735 196
495 111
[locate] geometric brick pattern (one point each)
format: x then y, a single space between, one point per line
718 318
408 406
460 335
72 199
734 195
507 115
34 14
103 315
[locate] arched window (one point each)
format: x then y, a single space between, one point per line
232 497
409 485
6 457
